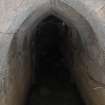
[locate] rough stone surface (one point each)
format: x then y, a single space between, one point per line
13 13
90 73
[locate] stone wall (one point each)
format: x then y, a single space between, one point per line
17 20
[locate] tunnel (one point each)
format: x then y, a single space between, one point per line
52 79
48 56
53 58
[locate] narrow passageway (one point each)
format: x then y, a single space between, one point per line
52 82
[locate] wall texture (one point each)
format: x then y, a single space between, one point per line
17 20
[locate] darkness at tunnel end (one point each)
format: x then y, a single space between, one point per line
50 71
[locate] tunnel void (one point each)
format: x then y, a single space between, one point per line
48 49
52 64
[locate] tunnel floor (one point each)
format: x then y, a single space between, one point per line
56 94
52 83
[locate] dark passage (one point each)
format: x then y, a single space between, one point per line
52 83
